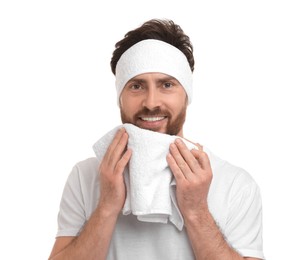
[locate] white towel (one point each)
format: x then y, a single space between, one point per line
150 185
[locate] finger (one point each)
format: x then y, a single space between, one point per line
119 149
200 147
176 171
187 155
202 158
181 163
119 169
115 140
116 148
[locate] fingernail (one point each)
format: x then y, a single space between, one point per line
178 141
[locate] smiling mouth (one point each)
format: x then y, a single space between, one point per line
153 118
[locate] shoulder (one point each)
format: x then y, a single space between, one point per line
85 171
87 165
232 189
228 174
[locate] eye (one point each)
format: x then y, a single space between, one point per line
135 87
168 85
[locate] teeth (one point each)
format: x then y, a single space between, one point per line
152 119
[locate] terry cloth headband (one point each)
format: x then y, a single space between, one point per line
153 56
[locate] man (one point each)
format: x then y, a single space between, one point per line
220 203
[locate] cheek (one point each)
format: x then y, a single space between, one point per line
124 101
128 106
176 104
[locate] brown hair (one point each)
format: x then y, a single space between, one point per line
164 30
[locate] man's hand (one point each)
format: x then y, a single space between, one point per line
193 174
111 170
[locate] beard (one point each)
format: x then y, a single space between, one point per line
174 126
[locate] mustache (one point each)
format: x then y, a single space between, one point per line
154 112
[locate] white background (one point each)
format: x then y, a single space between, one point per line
57 98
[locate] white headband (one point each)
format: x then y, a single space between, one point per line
153 56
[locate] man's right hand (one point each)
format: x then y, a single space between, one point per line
94 240
112 186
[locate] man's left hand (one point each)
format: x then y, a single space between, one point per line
193 175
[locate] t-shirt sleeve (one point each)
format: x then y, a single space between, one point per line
71 216
244 223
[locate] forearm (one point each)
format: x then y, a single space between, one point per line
207 241
93 241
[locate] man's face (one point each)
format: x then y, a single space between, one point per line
156 102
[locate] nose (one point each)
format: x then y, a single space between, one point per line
152 98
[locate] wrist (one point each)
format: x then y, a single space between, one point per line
107 211
197 215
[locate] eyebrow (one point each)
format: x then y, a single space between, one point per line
160 80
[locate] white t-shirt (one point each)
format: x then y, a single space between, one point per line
234 201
